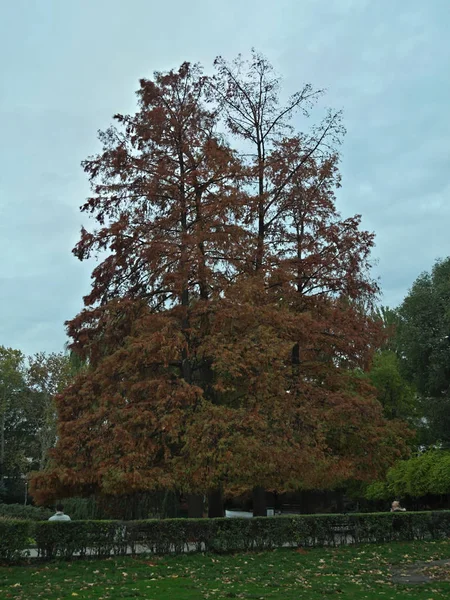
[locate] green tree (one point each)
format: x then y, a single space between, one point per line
426 473
12 417
47 376
423 345
395 394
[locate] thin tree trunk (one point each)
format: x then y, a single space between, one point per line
215 504
195 506
340 500
259 502
261 205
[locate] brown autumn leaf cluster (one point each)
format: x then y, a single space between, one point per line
228 322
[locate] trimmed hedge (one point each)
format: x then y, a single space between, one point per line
15 539
103 538
66 539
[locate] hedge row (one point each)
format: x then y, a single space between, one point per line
103 538
15 538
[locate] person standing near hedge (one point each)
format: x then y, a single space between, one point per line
59 515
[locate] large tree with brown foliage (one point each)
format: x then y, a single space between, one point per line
227 321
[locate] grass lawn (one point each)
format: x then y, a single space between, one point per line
362 572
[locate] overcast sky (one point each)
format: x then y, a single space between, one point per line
66 66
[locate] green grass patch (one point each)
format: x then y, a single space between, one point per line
359 572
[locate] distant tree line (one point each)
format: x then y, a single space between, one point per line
28 386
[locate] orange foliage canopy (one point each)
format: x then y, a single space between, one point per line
227 326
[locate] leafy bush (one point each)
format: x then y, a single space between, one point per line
19 511
378 490
440 475
80 509
103 538
126 507
15 538
428 473
419 473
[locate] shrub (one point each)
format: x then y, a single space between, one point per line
127 507
428 473
397 478
419 472
81 509
19 511
378 490
440 475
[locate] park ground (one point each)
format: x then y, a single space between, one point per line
390 571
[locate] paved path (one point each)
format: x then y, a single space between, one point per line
417 573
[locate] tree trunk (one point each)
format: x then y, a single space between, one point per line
340 500
195 506
215 504
259 502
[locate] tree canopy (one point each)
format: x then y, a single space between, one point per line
396 395
424 332
423 347
230 310
27 412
